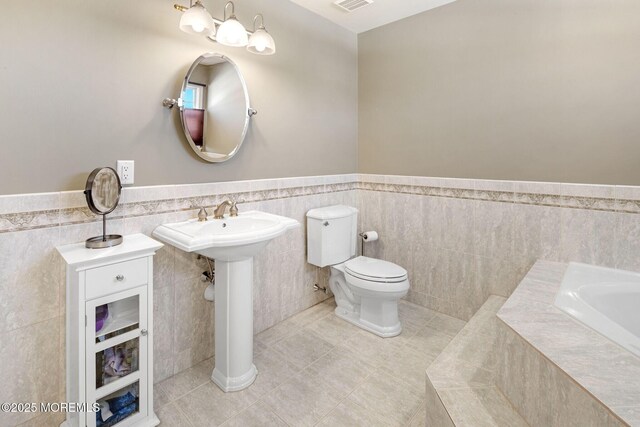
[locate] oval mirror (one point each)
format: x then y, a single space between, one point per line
102 191
214 107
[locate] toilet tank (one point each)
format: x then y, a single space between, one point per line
331 234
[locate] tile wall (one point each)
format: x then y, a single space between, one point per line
463 240
460 240
32 275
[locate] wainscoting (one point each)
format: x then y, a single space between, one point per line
461 240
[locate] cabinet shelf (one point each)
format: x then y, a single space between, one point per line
119 339
119 321
116 385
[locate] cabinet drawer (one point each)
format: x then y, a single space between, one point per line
116 277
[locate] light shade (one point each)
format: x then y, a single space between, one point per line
232 33
197 20
261 43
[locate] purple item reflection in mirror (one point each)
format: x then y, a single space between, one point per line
102 313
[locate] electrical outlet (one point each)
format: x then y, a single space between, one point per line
125 171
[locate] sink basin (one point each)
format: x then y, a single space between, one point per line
231 238
232 242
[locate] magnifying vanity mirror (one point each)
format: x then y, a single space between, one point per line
102 192
214 107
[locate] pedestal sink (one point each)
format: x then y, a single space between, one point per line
232 242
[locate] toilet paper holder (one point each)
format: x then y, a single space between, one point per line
366 236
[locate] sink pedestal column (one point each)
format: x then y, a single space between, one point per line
234 369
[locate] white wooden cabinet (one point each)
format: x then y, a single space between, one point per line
110 357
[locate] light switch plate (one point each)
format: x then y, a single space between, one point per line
125 171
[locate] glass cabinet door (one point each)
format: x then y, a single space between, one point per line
116 359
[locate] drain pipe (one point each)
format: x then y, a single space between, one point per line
209 276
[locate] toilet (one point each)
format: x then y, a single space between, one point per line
366 289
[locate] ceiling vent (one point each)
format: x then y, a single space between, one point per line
351 5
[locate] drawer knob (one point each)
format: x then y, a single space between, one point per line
119 277
143 332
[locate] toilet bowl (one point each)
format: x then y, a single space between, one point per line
366 289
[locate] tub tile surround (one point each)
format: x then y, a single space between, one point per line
548 396
460 386
549 344
460 240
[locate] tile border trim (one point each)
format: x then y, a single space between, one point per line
523 198
31 220
276 189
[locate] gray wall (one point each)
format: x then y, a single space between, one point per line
82 82
543 90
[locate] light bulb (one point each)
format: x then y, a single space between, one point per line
197 20
232 33
261 43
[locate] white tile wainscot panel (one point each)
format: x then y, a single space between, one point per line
460 239
32 291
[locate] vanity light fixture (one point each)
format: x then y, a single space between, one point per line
230 32
261 42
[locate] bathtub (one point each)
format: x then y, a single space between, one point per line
604 299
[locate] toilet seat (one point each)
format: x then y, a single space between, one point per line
375 275
375 270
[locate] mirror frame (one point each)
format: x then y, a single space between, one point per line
88 191
194 147
106 240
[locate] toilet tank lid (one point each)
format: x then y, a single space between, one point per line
332 212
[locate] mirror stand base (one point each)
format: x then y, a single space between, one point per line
105 241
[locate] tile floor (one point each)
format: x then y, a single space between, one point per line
316 369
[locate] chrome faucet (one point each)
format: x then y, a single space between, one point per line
222 207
